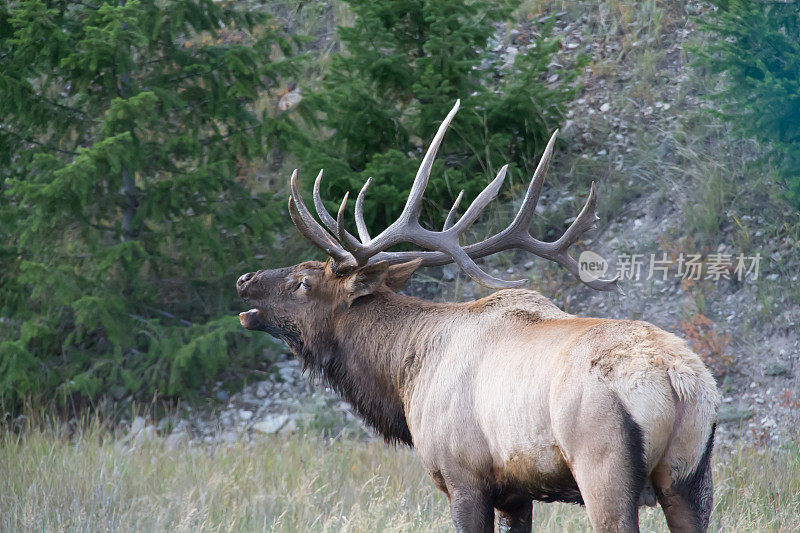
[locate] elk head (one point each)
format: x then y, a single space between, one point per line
306 297
303 300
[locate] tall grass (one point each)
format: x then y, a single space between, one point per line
94 482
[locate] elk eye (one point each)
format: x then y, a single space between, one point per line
305 284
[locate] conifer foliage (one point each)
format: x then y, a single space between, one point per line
123 226
403 65
757 46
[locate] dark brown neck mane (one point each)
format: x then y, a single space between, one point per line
374 355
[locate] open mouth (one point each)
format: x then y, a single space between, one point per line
251 319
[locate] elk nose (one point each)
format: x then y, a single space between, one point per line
243 279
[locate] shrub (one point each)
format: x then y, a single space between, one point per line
757 47
708 343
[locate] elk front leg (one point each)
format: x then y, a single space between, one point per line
472 510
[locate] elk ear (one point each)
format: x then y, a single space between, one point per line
366 281
399 274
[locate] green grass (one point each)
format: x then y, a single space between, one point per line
304 483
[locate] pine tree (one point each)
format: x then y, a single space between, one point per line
403 65
123 125
757 47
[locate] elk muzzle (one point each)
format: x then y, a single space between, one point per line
253 318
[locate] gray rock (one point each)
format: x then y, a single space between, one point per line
137 426
163 424
175 440
263 389
117 392
229 437
143 433
271 425
734 415
289 427
226 419
245 415
777 369
287 374
222 395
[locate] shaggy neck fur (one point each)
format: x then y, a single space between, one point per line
374 355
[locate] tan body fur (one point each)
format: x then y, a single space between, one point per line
527 378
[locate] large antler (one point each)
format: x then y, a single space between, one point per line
349 253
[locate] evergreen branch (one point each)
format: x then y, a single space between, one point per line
84 4
170 315
209 140
100 227
62 106
25 139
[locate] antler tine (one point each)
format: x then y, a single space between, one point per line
409 217
311 229
528 207
480 202
340 217
326 217
361 226
414 203
348 242
463 260
521 238
558 251
517 234
586 220
307 219
340 257
406 227
448 222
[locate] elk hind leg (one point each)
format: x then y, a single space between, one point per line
611 473
687 503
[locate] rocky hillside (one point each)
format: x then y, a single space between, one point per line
671 182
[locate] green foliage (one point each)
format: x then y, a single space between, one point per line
403 66
122 224
757 46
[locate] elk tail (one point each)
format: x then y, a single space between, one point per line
696 399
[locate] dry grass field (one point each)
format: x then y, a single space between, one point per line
95 482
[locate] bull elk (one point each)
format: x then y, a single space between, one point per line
506 399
